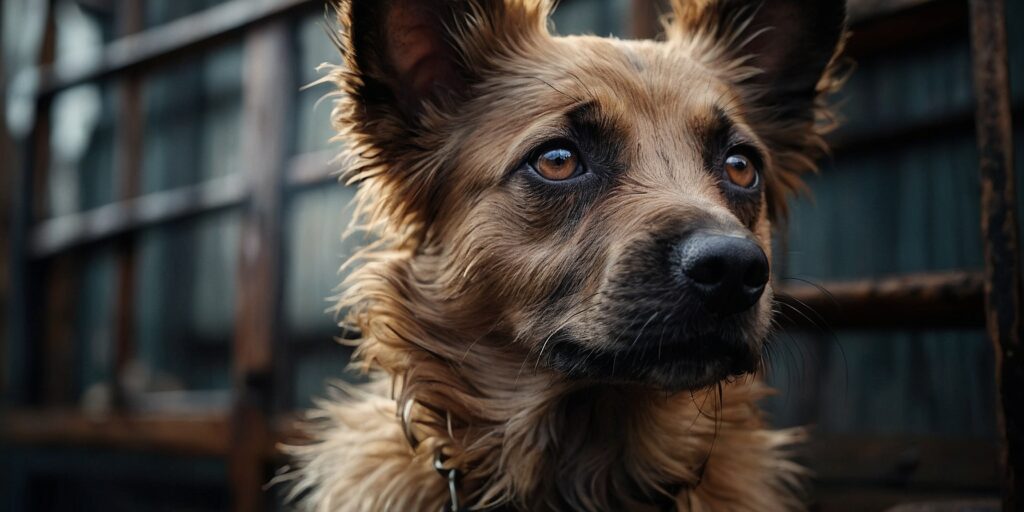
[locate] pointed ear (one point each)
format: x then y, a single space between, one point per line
408 67
408 53
780 54
782 47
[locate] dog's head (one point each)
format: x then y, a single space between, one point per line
605 203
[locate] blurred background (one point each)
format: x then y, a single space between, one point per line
170 229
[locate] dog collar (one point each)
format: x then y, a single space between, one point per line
452 475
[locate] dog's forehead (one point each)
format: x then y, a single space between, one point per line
654 80
634 82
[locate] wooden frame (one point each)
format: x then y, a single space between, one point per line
999 228
245 435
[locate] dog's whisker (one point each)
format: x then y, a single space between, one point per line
642 328
563 325
819 287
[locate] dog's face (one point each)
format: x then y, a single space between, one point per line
606 203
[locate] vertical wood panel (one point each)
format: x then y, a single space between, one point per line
128 159
8 166
49 282
267 91
1000 231
23 355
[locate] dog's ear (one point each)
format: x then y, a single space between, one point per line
408 66
405 54
780 54
781 47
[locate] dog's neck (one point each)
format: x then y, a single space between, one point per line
524 435
541 445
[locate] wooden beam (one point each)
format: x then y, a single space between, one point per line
878 139
999 228
54 236
187 34
915 23
267 90
922 462
860 10
60 234
165 433
850 498
937 301
176 433
314 169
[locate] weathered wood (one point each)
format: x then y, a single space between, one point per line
188 34
912 24
165 433
1000 232
60 284
950 506
880 138
8 170
24 313
314 169
936 301
60 234
267 89
860 10
128 151
915 24
842 498
903 461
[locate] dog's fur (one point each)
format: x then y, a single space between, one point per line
500 312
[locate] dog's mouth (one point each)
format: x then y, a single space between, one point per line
675 365
676 312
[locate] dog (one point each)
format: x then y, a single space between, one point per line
567 302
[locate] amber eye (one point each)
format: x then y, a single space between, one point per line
557 164
741 171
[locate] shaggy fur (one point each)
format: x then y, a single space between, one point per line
496 310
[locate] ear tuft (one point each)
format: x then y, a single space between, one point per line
781 55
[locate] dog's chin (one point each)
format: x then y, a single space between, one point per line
681 366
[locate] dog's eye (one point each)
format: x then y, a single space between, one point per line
557 164
741 171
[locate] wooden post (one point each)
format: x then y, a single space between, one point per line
8 165
23 355
267 96
999 232
128 152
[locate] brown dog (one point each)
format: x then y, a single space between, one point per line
571 291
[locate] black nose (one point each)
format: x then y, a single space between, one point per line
728 272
